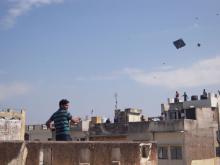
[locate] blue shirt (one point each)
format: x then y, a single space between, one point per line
61 120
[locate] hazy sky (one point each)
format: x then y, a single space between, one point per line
86 50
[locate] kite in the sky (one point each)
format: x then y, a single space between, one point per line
179 43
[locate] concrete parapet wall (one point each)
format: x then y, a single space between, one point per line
157 126
77 153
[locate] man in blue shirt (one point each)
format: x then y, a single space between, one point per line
61 120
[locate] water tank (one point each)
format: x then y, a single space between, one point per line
194 97
202 97
170 100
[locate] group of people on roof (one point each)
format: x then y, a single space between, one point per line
185 96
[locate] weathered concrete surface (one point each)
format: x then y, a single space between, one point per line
12 125
12 153
108 129
213 161
77 153
10 129
38 132
199 144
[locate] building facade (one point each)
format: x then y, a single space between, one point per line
185 131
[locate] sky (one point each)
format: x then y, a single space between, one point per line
88 50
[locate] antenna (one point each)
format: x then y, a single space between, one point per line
116 101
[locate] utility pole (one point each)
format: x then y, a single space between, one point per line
116 101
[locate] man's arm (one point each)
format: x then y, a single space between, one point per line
75 120
48 123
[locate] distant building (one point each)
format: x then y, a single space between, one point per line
96 119
38 132
80 132
185 131
128 115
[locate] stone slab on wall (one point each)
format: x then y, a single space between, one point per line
10 129
12 125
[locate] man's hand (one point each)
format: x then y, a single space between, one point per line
76 119
49 124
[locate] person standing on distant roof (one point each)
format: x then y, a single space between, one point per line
177 97
185 96
205 93
108 121
61 119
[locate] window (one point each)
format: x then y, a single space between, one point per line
82 139
26 136
191 113
217 151
30 127
162 153
44 127
176 152
145 150
172 114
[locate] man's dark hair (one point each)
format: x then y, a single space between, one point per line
63 102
